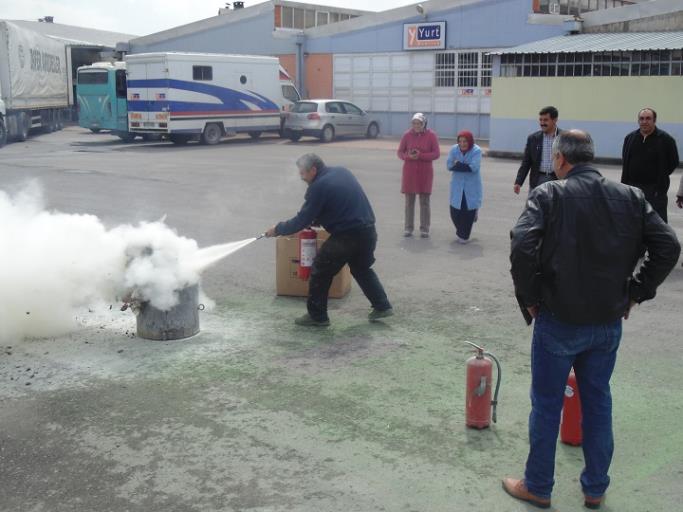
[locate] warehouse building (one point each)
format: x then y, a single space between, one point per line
430 57
452 59
597 80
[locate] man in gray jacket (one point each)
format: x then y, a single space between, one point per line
574 250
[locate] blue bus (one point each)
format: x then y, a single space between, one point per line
102 105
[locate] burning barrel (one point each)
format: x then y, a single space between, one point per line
181 321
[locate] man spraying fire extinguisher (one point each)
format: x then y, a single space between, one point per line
335 200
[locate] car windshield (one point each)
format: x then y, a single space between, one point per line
305 106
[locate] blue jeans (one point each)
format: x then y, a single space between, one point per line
592 351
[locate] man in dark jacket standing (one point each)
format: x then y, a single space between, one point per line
649 156
336 201
574 251
537 152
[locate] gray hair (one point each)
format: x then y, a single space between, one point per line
305 162
575 145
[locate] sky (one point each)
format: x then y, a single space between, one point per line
142 17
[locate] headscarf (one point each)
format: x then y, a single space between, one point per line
468 136
419 116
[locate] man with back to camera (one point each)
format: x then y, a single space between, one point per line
537 160
574 250
335 200
649 156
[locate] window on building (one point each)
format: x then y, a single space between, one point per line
287 17
298 15
485 70
323 18
334 17
309 18
445 69
468 69
202 73
677 62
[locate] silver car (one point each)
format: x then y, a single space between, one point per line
327 119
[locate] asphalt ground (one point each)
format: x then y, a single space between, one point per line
256 414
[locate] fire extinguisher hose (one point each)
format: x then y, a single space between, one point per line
494 402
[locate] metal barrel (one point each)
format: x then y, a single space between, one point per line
181 321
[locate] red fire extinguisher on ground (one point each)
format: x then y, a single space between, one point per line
570 427
308 248
478 403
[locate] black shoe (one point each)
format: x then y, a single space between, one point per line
375 315
308 321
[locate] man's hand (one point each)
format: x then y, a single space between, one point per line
271 232
628 310
517 188
533 311
679 201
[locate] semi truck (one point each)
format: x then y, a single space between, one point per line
203 96
34 82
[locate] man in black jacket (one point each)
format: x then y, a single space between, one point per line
337 202
649 156
537 152
574 251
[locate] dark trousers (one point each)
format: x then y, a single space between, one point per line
357 248
463 219
592 351
657 199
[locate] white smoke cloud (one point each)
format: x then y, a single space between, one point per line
52 264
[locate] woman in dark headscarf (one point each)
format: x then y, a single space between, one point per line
464 162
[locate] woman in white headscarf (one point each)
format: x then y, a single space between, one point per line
418 149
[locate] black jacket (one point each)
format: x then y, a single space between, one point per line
576 245
664 158
533 151
335 200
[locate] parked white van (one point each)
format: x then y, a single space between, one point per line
206 96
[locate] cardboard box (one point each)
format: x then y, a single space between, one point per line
287 263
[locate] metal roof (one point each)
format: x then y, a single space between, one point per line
603 42
76 36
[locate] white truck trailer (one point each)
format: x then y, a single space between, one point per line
34 88
204 96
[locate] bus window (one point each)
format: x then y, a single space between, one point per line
121 88
92 77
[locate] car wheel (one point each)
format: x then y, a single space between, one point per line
212 134
373 131
327 134
3 133
294 137
95 130
254 135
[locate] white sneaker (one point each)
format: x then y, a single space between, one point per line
462 240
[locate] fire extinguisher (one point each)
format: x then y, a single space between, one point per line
478 403
570 427
308 248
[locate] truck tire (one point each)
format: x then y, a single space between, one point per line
95 130
59 119
151 137
212 134
126 136
179 139
24 125
254 135
327 134
3 133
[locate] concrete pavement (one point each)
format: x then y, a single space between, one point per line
256 414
